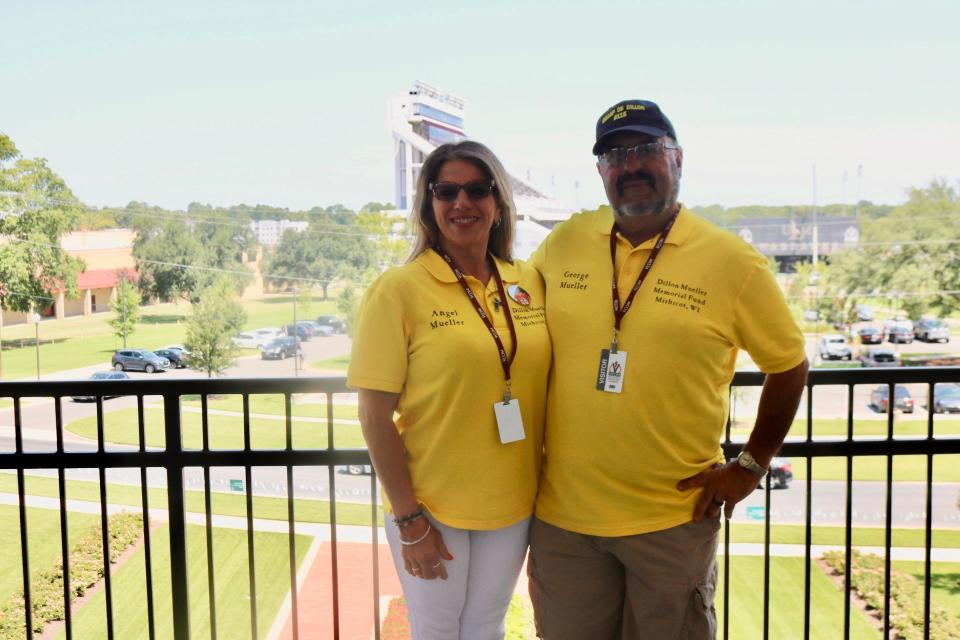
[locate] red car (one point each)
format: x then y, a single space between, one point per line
870 335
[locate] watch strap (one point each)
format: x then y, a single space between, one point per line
745 460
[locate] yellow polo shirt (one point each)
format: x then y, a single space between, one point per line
418 335
612 461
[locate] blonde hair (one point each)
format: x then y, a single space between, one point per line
425 231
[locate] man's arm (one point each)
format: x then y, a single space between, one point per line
726 485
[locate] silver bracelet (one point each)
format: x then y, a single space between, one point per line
418 540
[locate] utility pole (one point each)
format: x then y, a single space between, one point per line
296 338
36 333
859 175
123 310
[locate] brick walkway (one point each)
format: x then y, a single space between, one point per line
355 571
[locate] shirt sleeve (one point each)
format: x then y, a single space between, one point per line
538 259
764 326
378 357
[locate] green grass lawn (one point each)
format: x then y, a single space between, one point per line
339 363
786 602
312 406
82 341
226 431
878 427
231 586
874 468
43 529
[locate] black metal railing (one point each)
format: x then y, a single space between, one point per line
174 458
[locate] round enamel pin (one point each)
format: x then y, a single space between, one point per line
518 295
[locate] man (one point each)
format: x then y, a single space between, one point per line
647 307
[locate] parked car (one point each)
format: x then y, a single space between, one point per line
177 358
879 357
946 398
246 341
280 348
898 331
322 330
298 330
931 330
865 313
102 375
879 398
334 323
781 473
359 469
870 335
256 339
138 360
835 347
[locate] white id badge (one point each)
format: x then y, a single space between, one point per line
509 421
612 368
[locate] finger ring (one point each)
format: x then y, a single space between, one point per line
718 503
415 570
434 566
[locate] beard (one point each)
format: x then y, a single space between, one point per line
650 207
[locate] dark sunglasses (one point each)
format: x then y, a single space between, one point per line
476 190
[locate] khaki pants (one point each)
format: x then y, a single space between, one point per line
657 585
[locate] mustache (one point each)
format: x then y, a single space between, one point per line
636 176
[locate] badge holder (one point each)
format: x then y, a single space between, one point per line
613 366
509 420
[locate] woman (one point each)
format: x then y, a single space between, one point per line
454 344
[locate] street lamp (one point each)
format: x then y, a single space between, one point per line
296 338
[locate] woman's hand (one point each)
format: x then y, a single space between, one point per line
424 559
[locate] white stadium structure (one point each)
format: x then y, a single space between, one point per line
426 118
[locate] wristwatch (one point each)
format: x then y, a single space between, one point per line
745 460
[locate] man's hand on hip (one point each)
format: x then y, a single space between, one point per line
723 487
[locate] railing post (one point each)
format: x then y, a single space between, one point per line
176 508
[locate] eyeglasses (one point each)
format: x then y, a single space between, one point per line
448 191
616 156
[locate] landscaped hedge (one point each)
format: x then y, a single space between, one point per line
86 570
906 597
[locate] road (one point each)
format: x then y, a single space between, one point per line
787 506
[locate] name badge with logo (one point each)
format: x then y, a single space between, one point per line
613 365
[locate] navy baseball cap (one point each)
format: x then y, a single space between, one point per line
641 116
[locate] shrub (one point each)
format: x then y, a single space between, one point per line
86 570
906 596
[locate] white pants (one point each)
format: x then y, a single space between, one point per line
472 602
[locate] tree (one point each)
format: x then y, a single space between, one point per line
216 317
36 209
126 308
324 251
348 304
912 255
178 257
386 231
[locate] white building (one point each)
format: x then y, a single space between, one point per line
424 119
269 232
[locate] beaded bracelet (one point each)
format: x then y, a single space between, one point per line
403 524
413 515
410 543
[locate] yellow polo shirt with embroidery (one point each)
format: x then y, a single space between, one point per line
418 335
612 461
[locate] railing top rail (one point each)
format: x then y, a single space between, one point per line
869 375
176 386
338 384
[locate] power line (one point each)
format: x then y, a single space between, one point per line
211 269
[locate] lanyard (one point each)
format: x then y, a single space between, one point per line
618 313
505 362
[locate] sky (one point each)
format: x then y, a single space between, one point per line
285 102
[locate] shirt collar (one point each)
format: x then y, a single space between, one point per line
434 263
678 234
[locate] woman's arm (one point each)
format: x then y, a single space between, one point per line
387 454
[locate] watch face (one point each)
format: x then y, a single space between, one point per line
745 459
